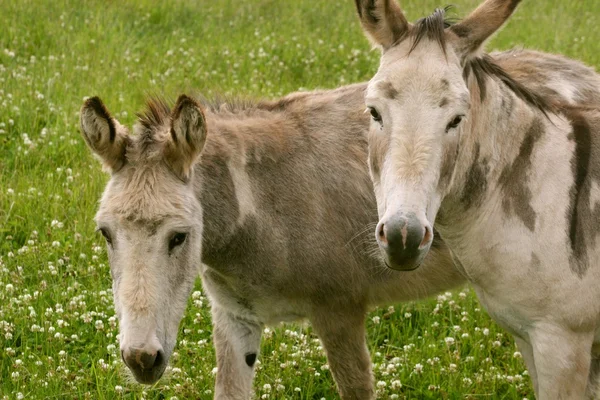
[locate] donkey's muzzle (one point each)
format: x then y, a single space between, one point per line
147 364
404 240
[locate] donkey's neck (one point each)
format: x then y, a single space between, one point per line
225 187
495 151
246 150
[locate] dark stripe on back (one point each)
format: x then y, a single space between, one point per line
513 179
579 208
476 183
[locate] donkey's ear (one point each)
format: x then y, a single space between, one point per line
474 30
383 21
103 134
188 134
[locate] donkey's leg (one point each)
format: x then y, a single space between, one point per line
562 361
343 336
593 386
237 343
527 352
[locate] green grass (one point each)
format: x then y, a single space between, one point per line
57 325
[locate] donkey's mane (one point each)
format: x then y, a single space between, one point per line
434 27
157 113
484 66
158 109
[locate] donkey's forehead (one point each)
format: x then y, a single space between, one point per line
424 70
148 197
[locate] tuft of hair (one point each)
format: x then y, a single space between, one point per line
484 66
432 27
157 113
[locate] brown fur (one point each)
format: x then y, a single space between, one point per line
305 248
517 195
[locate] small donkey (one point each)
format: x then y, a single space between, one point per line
510 177
273 205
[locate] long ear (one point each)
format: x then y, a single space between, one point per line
188 134
103 134
474 30
383 21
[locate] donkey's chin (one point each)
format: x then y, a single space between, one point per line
404 263
149 376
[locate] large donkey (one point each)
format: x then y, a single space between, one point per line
510 178
273 204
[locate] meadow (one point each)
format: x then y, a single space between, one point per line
57 324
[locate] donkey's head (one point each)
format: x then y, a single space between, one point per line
419 101
152 223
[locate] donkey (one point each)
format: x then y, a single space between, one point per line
509 176
272 204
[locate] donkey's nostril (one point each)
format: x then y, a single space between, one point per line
381 233
146 360
159 359
427 237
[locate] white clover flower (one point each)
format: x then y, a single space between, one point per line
267 387
486 332
10 191
517 354
55 243
418 368
449 341
381 384
376 319
396 384
119 389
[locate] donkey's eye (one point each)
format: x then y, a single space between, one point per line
106 235
177 240
375 115
455 122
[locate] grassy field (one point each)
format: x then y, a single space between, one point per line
57 324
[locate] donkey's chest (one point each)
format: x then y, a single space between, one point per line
248 301
520 275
